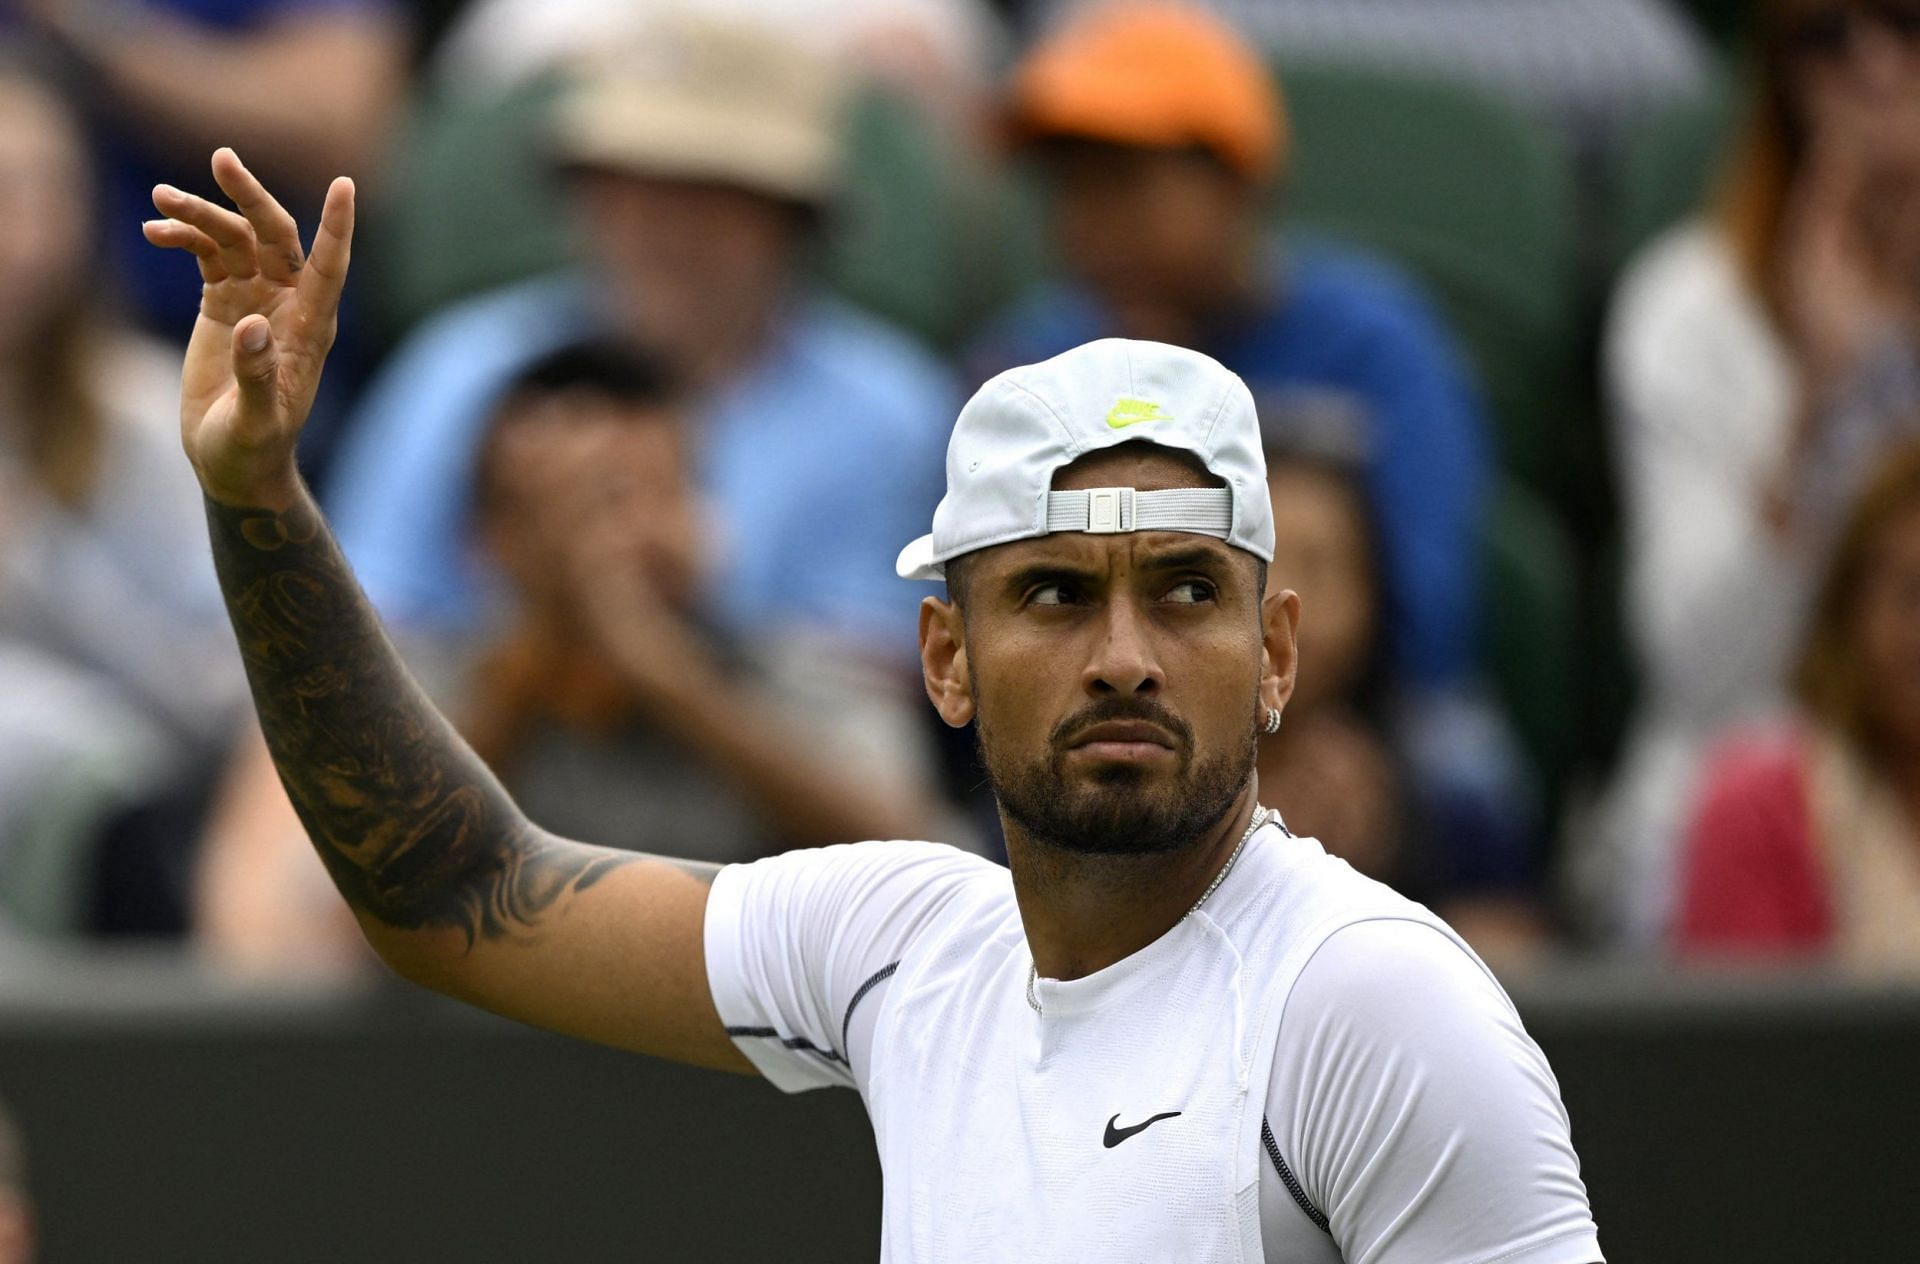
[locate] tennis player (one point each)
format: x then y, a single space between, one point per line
1172 1031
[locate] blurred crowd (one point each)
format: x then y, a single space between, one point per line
1585 333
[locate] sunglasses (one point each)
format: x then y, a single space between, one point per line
1830 33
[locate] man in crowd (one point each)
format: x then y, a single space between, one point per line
604 697
701 161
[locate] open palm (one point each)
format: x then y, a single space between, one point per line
267 317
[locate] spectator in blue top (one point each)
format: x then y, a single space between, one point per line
1161 135
699 159
307 89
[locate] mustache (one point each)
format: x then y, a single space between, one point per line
1145 710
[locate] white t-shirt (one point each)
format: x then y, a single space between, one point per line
1309 1068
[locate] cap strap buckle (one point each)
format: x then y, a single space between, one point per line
1113 510
1100 510
1109 510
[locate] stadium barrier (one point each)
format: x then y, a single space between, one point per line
170 1118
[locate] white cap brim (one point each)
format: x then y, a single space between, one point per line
916 561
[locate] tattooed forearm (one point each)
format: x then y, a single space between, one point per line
415 830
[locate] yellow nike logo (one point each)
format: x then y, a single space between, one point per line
1131 412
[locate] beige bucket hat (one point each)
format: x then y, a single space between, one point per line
702 98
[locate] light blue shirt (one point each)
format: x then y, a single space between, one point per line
820 461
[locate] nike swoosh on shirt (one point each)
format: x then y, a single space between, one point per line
1116 1135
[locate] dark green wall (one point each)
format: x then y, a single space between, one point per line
170 1122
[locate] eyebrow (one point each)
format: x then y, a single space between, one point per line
1196 557
1046 573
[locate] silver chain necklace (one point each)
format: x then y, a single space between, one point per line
1260 817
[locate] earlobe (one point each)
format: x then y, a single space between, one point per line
943 661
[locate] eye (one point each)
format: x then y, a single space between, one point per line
1052 595
1191 592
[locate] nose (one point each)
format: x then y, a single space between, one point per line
1123 661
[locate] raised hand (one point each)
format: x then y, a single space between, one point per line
268 312
449 880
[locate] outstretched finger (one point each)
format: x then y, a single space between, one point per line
325 275
171 234
230 231
281 257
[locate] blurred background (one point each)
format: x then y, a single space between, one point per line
1586 336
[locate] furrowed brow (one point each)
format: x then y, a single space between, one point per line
1195 558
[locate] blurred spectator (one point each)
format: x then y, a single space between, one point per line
698 160
16 1209
610 707
304 88
609 704
1805 841
940 53
1329 770
1162 135
1758 360
116 667
1593 66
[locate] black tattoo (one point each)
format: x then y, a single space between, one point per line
413 827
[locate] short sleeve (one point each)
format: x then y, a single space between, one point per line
1420 1117
795 942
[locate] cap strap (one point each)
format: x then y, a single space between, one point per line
1109 510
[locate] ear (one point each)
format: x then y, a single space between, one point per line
943 661
1279 653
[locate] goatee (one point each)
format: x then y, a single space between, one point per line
1119 812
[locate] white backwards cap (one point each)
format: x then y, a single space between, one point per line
1024 425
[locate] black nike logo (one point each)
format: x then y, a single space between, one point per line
1116 1135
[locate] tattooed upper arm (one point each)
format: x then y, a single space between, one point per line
438 863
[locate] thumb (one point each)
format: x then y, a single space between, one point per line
256 370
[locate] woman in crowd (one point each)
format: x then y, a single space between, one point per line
1328 768
1332 769
1806 839
1758 358
115 666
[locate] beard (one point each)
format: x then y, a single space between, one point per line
1119 811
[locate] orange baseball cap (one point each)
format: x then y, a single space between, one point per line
1152 73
